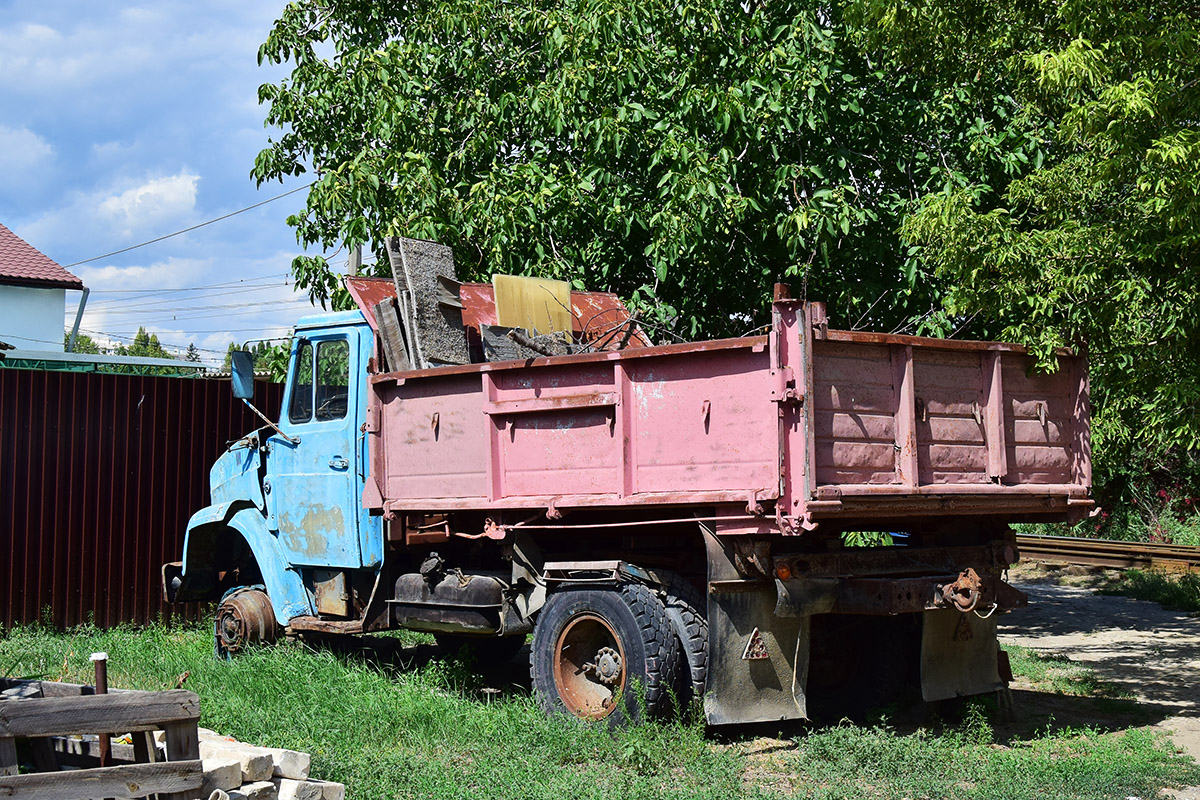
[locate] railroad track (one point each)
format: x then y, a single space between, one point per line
1109 553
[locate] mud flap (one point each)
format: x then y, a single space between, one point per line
757 662
959 655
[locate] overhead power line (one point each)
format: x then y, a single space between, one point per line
199 288
189 230
137 304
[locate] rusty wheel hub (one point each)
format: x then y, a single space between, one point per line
608 666
589 666
244 618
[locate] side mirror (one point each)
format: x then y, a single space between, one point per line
241 365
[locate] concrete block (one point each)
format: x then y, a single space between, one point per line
331 790
288 763
298 790
257 765
259 790
224 772
205 733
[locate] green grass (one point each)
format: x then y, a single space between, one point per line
1059 674
1179 592
851 762
430 729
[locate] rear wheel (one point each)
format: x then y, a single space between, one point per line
244 618
605 654
687 610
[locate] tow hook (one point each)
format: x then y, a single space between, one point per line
964 593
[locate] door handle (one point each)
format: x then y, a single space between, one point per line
337 462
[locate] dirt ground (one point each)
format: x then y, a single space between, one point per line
1137 646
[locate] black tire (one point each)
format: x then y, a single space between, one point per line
487 651
687 610
592 647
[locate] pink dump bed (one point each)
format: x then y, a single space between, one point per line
826 423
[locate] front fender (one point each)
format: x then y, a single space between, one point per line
202 558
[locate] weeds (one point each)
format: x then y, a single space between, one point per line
1060 675
1179 592
418 725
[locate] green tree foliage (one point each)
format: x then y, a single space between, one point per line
83 344
192 353
1099 247
144 345
272 359
683 155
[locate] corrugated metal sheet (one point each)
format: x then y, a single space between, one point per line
98 477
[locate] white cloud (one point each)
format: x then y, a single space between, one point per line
96 45
22 150
115 215
155 201
171 273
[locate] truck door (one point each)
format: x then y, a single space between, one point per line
312 483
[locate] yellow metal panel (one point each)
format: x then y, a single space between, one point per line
535 304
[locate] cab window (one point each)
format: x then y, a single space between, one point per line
333 379
328 397
300 408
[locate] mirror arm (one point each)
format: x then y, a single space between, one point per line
295 440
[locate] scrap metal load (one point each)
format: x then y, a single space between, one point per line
424 317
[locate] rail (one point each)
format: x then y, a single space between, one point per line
1110 553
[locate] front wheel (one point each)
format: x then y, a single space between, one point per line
244 618
605 654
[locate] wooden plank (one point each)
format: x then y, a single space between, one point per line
145 751
182 745
183 741
8 755
391 336
180 778
42 752
57 688
128 711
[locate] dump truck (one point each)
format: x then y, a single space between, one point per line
755 525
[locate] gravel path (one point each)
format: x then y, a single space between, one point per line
1145 650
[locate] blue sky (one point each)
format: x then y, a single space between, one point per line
121 122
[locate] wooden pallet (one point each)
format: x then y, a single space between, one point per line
35 716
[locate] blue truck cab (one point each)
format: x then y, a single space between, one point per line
286 518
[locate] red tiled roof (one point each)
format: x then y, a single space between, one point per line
22 263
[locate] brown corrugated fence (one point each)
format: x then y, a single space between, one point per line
98 477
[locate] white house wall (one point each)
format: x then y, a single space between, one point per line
31 318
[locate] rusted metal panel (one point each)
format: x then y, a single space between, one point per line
100 473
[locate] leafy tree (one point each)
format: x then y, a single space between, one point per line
1099 246
144 345
83 344
272 359
685 156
